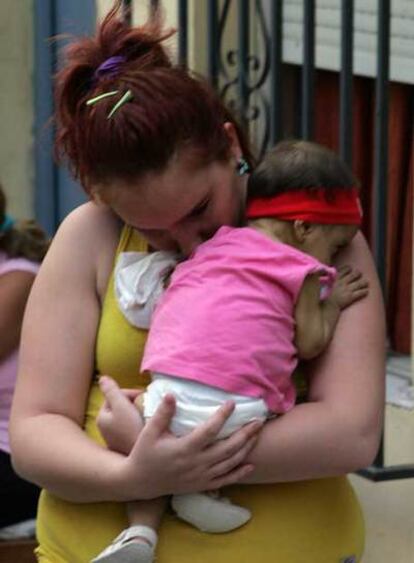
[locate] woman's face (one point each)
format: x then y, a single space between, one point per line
182 206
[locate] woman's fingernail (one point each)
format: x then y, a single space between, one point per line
257 425
169 399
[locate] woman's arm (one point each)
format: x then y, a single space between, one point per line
14 291
49 446
338 430
56 361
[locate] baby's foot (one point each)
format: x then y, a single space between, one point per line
209 512
134 545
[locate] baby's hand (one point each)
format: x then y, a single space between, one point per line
118 420
350 286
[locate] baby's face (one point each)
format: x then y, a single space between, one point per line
327 240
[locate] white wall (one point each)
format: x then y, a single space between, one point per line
328 37
16 104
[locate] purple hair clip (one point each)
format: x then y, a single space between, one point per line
109 67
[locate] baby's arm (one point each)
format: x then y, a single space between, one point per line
316 319
118 420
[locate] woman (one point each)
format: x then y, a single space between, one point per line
22 248
165 165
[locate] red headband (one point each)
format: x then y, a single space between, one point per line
310 206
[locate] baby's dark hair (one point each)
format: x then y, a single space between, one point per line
23 239
295 164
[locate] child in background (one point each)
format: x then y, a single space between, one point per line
22 247
272 297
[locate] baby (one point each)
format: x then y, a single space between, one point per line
235 319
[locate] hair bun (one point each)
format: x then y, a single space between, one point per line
140 45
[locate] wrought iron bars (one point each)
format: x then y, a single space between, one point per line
244 86
183 31
308 69
276 103
213 41
243 54
345 104
127 10
242 73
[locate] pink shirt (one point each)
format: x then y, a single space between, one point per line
227 317
8 366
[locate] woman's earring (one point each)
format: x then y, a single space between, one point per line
242 166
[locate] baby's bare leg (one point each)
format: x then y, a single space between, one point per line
147 512
120 422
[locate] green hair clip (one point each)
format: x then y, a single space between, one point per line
127 97
93 101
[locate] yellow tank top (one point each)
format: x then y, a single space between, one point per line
313 521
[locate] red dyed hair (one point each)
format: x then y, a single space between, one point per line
171 109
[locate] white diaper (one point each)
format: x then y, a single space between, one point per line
139 283
196 402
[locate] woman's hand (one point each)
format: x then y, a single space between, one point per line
167 464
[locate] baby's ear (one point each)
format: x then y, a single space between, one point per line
302 229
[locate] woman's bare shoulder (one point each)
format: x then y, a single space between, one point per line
90 220
87 237
358 254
